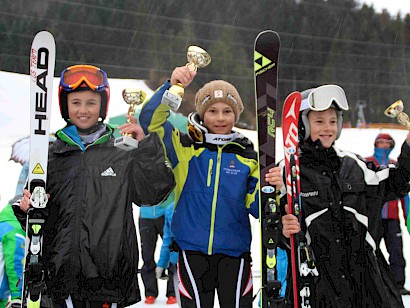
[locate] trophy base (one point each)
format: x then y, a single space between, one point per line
171 100
126 143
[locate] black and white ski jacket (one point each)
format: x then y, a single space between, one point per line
341 197
90 242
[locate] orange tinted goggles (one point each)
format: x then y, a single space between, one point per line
73 76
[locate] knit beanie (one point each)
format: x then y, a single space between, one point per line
384 137
218 91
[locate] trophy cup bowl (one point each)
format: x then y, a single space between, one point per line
132 97
197 57
395 110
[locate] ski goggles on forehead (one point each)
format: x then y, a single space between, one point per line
94 77
384 141
323 97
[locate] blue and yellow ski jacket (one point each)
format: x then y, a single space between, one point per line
12 242
216 185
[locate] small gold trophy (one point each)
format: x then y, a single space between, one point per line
197 57
132 97
395 110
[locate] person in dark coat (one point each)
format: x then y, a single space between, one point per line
90 246
340 195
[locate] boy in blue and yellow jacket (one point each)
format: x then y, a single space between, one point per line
216 172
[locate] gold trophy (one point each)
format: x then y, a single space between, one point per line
132 97
395 110
197 58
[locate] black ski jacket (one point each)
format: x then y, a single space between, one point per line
90 241
342 196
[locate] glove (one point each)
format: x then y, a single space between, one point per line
158 272
15 303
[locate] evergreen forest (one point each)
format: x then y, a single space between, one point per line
322 42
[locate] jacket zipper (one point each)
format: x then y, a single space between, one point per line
80 199
211 163
215 195
214 201
76 237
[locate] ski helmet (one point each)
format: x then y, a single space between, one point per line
320 99
83 77
384 136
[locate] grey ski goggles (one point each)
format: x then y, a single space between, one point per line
321 98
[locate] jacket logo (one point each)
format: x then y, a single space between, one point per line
108 172
222 139
310 194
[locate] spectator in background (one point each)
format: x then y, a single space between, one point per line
168 259
383 145
408 223
22 179
151 225
12 243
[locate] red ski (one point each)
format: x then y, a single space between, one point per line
303 261
290 119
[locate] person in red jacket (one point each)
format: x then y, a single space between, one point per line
383 145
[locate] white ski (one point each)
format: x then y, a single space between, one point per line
42 62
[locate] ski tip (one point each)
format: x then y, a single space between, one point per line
291 105
267 39
43 34
268 31
294 95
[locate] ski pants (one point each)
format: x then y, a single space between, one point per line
70 303
150 229
199 275
394 244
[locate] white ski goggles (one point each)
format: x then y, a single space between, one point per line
321 98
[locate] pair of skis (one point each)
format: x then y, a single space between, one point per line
266 54
42 62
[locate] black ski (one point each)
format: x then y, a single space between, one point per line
266 54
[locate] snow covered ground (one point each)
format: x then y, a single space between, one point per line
161 300
14 115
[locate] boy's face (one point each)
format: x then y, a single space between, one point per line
219 118
84 108
323 126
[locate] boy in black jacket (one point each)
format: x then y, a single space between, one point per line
341 197
90 245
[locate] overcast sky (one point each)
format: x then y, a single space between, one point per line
393 6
